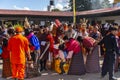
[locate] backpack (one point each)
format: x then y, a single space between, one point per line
35 42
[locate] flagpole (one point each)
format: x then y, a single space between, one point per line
74 12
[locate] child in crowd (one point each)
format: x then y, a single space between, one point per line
62 54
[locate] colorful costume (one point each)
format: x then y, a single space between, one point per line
77 64
18 46
93 57
51 40
6 72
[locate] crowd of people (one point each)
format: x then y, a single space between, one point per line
80 46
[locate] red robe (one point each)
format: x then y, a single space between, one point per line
51 40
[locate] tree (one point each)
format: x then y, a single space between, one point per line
55 10
96 4
106 4
81 5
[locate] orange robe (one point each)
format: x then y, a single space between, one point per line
18 45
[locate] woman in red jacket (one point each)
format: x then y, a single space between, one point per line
73 47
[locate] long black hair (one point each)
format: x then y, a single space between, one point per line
80 38
62 46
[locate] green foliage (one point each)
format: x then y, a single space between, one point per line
96 4
55 10
106 4
81 5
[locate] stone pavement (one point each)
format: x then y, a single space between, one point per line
48 75
54 76
95 76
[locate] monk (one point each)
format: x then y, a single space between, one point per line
18 45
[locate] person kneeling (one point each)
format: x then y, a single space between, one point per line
62 56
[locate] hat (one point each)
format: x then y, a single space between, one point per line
112 29
18 29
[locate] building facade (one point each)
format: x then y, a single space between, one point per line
40 17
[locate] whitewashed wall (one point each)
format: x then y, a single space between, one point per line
103 19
